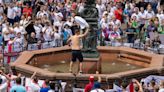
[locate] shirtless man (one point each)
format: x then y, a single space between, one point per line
76 48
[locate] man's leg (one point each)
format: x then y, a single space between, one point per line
70 67
80 57
81 65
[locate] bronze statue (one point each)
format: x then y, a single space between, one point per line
90 14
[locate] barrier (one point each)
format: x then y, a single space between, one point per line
12 51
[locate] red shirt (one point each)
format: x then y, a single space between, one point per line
89 87
118 14
27 11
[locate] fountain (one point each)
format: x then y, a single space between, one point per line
116 63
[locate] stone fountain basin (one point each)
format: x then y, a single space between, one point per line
152 63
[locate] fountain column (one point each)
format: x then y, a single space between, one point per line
91 56
90 14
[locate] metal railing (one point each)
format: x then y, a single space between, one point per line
12 51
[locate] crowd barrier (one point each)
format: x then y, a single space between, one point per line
11 52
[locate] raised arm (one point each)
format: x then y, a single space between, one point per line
139 85
69 40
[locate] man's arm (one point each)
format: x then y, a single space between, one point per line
86 32
68 41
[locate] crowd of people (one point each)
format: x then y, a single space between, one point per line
19 83
40 22
143 22
51 22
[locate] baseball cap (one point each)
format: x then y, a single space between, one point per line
91 78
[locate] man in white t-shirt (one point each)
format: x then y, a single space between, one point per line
3 82
160 15
82 22
11 14
34 85
142 16
18 42
149 13
41 13
104 20
161 88
18 12
115 21
6 30
38 29
47 32
19 29
136 13
57 37
100 7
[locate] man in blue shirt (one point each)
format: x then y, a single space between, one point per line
18 87
45 87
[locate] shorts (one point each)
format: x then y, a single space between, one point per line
76 54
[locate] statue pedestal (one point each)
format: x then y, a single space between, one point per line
90 54
91 65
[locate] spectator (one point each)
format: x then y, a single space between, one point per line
47 32
57 37
3 81
42 12
45 87
161 27
106 32
18 12
66 34
6 32
130 33
118 12
142 18
32 39
149 13
97 88
11 14
18 87
19 29
27 11
115 35
104 21
55 86
97 85
19 40
90 85
137 86
124 86
150 27
38 29
34 85
160 15
161 88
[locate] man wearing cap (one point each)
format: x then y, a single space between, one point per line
93 85
90 85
